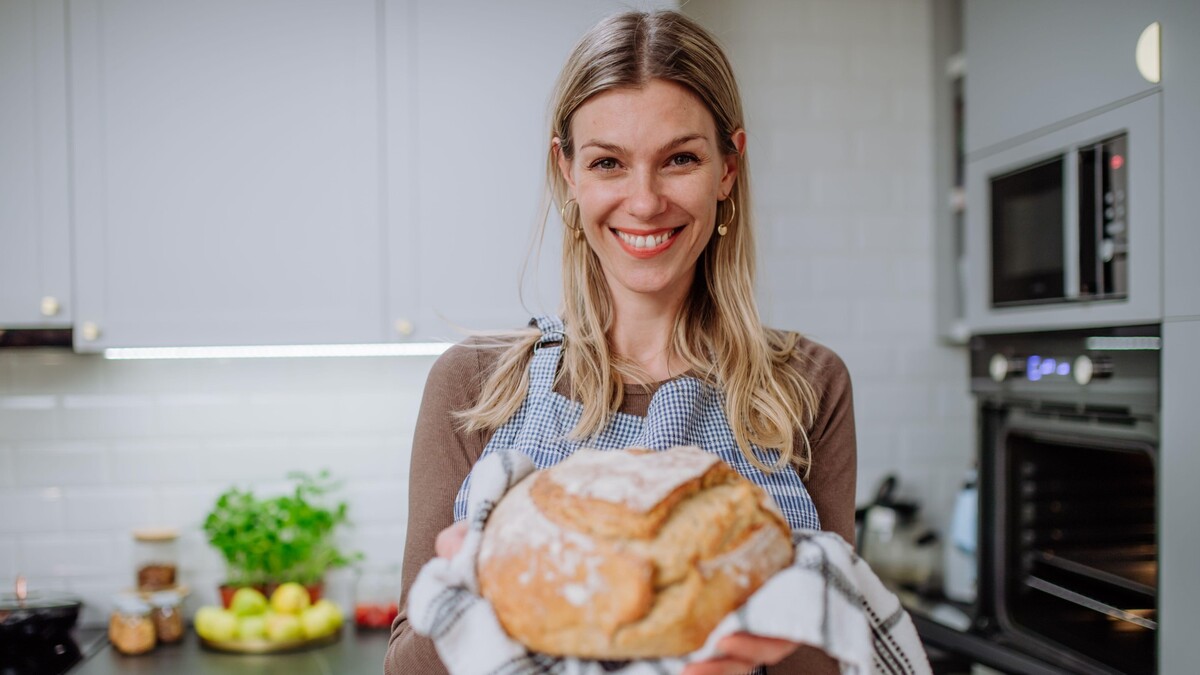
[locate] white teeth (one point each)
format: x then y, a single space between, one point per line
643 241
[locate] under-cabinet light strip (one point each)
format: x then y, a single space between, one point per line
279 351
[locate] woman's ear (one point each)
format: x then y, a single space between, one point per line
732 161
564 164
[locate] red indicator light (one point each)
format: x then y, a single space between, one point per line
1116 162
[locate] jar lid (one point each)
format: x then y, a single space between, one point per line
156 534
130 604
165 599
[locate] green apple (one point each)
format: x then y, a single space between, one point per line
204 619
290 598
248 602
281 627
220 626
253 627
332 611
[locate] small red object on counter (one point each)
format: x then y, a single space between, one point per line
375 615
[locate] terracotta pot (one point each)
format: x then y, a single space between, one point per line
227 592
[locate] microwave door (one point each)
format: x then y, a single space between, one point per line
1031 247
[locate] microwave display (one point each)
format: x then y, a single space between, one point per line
1059 227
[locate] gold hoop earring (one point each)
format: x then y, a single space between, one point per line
723 228
563 214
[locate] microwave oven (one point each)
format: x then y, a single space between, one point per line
1064 228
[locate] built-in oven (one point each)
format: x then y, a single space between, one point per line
1063 228
1068 549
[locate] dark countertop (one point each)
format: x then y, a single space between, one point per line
357 652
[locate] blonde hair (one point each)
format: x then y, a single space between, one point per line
767 402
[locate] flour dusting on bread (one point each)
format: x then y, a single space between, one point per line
637 480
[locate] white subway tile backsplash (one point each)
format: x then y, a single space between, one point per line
372 503
110 508
32 510
8 558
156 461
895 317
186 507
52 464
380 545
97 593
28 425
8 473
68 555
41 402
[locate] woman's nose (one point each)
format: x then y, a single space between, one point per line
645 199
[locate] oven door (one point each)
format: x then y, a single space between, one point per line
1069 553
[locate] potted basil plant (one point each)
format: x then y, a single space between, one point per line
289 537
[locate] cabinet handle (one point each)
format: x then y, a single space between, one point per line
404 327
90 331
50 306
1148 55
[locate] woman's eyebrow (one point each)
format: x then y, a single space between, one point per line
619 150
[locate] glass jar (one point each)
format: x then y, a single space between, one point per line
156 556
167 616
130 628
376 594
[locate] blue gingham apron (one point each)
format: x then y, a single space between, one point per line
683 411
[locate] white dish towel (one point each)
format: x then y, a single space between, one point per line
829 598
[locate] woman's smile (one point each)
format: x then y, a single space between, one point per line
646 244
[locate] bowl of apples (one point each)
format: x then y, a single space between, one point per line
254 624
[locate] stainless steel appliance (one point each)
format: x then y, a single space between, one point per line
1068 550
1058 227
1064 227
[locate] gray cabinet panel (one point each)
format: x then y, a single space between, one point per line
1181 150
1032 63
227 172
35 253
1179 501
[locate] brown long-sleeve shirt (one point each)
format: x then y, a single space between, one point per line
442 455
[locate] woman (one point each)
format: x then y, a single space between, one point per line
659 342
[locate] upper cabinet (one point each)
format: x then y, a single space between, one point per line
228 164
35 249
1033 64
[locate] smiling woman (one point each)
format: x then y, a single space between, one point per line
658 342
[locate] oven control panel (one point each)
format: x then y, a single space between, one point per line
1077 367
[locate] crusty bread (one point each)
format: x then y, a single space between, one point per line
625 554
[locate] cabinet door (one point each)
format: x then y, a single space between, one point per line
1032 63
35 253
227 172
481 88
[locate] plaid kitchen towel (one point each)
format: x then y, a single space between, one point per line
829 598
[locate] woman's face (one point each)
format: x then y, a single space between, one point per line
647 175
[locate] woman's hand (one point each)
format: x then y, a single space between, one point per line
742 653
450 540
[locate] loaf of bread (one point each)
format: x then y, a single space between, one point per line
628 554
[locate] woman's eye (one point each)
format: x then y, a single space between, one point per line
605 164
683 159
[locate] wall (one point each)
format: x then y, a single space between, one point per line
838 97
90 449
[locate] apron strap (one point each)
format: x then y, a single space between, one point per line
544 366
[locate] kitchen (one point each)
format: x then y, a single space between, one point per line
246 176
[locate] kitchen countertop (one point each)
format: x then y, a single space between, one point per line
357 652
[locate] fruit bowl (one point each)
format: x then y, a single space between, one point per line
269 646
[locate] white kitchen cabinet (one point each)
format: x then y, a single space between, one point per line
35 253
1034 64
227 172
473 177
